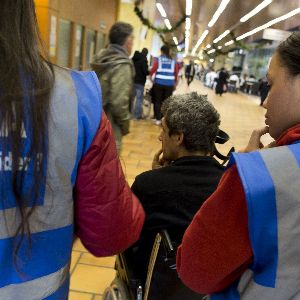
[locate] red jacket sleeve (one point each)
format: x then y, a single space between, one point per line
108 216
177 67
215 249
154 67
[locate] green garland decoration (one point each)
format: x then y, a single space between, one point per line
237 44
159 30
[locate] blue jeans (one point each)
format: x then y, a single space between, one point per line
138 108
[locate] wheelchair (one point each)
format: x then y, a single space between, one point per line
162 281
232 86
222 138
147 102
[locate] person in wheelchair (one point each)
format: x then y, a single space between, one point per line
184 173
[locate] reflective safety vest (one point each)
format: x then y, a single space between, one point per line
43 271
271 182
165 74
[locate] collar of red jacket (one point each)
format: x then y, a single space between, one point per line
289 136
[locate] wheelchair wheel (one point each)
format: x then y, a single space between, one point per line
146 108
117 291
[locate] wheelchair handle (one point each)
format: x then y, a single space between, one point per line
166 240
225 158
222 137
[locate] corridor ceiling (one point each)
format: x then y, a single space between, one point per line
203 10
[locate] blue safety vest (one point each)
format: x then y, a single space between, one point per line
165 74
271 182
74 117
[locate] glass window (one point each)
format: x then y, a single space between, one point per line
64 43
78 46
90 47
100 41
258 61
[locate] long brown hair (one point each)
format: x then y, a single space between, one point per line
26 81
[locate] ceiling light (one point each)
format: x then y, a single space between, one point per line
168 24
201 39
256 10
188 7
220 47
161 10
270 23
175 40
208 46
211 60
219 38
229 43
187 23
218 12
187 44
211 51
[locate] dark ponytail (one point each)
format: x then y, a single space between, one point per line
26 81
165 50
289 53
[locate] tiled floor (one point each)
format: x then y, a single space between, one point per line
240 114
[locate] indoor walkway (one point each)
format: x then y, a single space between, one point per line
240 114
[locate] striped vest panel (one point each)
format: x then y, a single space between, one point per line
43 273
271 181
165 74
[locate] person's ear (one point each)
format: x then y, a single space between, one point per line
178 138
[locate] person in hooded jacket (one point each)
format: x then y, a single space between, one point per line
115 71
141 71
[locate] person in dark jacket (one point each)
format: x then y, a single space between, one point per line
141 71
190 72
182 178
221 86
263 89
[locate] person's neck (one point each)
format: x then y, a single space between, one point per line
183 152
119 48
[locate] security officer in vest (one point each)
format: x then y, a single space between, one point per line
244 242
165 69
59 169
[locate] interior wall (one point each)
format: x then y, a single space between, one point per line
143 36
94 14
42 13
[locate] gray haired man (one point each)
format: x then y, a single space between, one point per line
183 174
116 72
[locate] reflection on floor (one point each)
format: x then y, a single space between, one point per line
240 114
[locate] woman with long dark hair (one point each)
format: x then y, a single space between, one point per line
244 241
55 148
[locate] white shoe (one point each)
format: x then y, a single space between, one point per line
157 122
